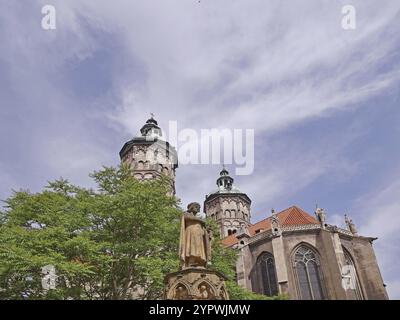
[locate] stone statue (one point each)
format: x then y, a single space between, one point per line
321 216
350 224
195 244
203 292
194 281
181 293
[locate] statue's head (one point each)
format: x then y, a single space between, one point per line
193 207
180 288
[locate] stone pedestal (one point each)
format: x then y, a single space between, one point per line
195 284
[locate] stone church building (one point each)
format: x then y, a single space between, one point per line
291 251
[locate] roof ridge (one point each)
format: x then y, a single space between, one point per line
290 216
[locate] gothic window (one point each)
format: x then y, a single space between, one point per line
267 274
353 288
233 213
308 275
140 165
227 214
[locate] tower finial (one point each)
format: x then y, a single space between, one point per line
152 115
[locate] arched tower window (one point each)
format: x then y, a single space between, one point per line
267 274
140 165
227 214
307 271
352 281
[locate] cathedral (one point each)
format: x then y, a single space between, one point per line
290 252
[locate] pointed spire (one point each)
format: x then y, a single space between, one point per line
350 224
275 224
321 216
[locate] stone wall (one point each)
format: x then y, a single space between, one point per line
329 246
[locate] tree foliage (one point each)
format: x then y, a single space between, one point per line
116 242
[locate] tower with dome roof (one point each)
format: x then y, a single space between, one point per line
149 155
228 206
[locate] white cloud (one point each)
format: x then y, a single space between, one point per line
259 65
286 67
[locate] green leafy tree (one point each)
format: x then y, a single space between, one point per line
116 242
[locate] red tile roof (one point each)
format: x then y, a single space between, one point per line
293 216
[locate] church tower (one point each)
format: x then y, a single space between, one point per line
228 206
149 155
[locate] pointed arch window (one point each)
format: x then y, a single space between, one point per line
307 270
354 287
267 272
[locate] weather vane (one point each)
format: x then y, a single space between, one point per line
152 115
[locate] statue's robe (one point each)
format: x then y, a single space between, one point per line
193 241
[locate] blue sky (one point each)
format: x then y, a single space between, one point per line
324 102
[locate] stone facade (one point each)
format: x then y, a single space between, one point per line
195 284
344 264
